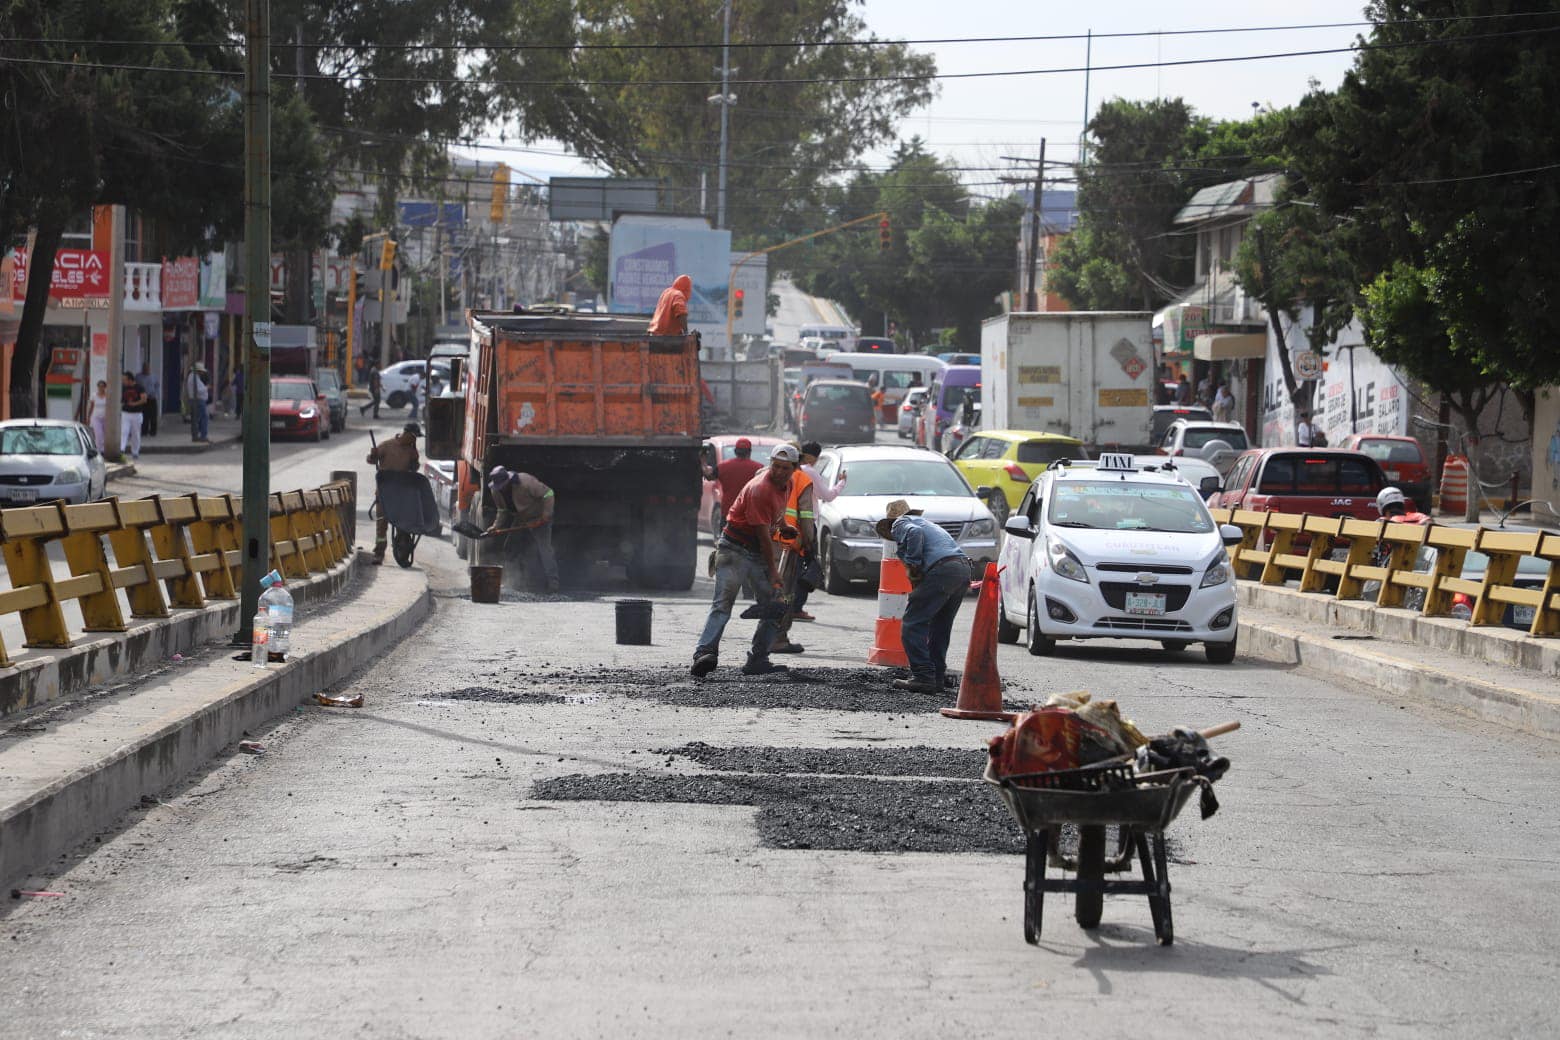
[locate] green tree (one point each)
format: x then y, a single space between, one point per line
788 136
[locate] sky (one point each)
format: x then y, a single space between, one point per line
977 121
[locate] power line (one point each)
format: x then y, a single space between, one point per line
811 80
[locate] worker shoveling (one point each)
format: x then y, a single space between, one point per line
1078 762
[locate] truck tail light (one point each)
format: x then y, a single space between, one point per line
1016 471
1178 452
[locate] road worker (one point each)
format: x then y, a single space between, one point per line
796 540
671 310
525 506
745 554
397 453
939 579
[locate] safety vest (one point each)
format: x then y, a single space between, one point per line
794 513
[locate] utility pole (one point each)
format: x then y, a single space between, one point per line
1033 296
116 325
256 341
725 117
384 309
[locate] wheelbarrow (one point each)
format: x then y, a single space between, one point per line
405 500
1093 798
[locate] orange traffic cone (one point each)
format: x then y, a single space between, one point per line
980 688
888 644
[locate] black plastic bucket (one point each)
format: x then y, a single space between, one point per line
487 583
633 622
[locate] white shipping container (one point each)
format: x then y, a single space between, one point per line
1086 374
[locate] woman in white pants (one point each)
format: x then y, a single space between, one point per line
97 414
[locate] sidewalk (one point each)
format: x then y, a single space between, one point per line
173 435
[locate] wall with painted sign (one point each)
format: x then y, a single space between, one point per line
1546 454
1356 391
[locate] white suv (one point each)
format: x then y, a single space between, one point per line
1116 552
1215 442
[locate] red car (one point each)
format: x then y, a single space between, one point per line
717 450
1319 481
1401 458
298 409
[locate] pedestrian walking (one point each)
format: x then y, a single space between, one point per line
745 554
1304 433
97 414
196 392
671 310
1205 389
397 453
939 580
151 386
525 506
1223 404
414 395
376 387
132 398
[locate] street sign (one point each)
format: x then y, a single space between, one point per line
263 335
1308 364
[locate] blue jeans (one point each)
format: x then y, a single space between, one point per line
929 614
201 427
733 569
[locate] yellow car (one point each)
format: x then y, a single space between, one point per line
1010 460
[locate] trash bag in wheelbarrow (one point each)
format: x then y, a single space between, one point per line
406 501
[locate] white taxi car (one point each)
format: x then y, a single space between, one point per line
1117 551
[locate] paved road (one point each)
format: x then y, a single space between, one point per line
1376 868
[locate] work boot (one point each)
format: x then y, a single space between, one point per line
786 647
762 666
918 684
703 664
802 615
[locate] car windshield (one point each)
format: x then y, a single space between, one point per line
290 390
1392 451
40 440
760 452
1199 438
898 477
1121 505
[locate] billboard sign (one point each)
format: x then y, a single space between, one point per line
601 198
79 274
646 254
181 284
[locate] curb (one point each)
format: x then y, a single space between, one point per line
56 818
1337 658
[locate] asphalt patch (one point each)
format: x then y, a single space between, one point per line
493 695
848 814
954 763
824 689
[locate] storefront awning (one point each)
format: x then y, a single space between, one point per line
1229 346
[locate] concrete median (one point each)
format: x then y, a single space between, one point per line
69 778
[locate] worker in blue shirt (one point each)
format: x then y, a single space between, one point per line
939 580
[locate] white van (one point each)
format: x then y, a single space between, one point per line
896 374
840 337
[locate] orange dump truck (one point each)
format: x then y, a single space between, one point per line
600 411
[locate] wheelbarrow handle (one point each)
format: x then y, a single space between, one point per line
1219 730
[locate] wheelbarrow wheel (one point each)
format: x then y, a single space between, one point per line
1091 867
402 546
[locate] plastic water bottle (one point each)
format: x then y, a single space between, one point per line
259 638
277 603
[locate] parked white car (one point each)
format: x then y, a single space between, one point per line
396 380
49 460
1113 551
850 549
1218 443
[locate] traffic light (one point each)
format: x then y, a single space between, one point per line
736 303
885 235
497 209
387 255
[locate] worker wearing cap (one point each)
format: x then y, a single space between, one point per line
939 580
745 554
822 491
526 504
397 453
795 540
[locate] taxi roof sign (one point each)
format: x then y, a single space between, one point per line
1117 462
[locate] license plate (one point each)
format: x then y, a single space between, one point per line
1145 603
22 495
1523 615
278 424
1392 474
839 422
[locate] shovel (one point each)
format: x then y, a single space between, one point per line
472 531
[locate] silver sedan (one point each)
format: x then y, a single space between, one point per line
49 460
850 549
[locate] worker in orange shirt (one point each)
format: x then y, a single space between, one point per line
671 310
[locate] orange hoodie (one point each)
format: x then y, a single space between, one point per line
671 310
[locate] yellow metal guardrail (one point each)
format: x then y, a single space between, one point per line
173 552
1277 547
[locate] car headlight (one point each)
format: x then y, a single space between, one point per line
1217 573
857 528
306 413
1064 563
977 528
70 476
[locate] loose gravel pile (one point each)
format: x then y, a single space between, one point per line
956 763
810 812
